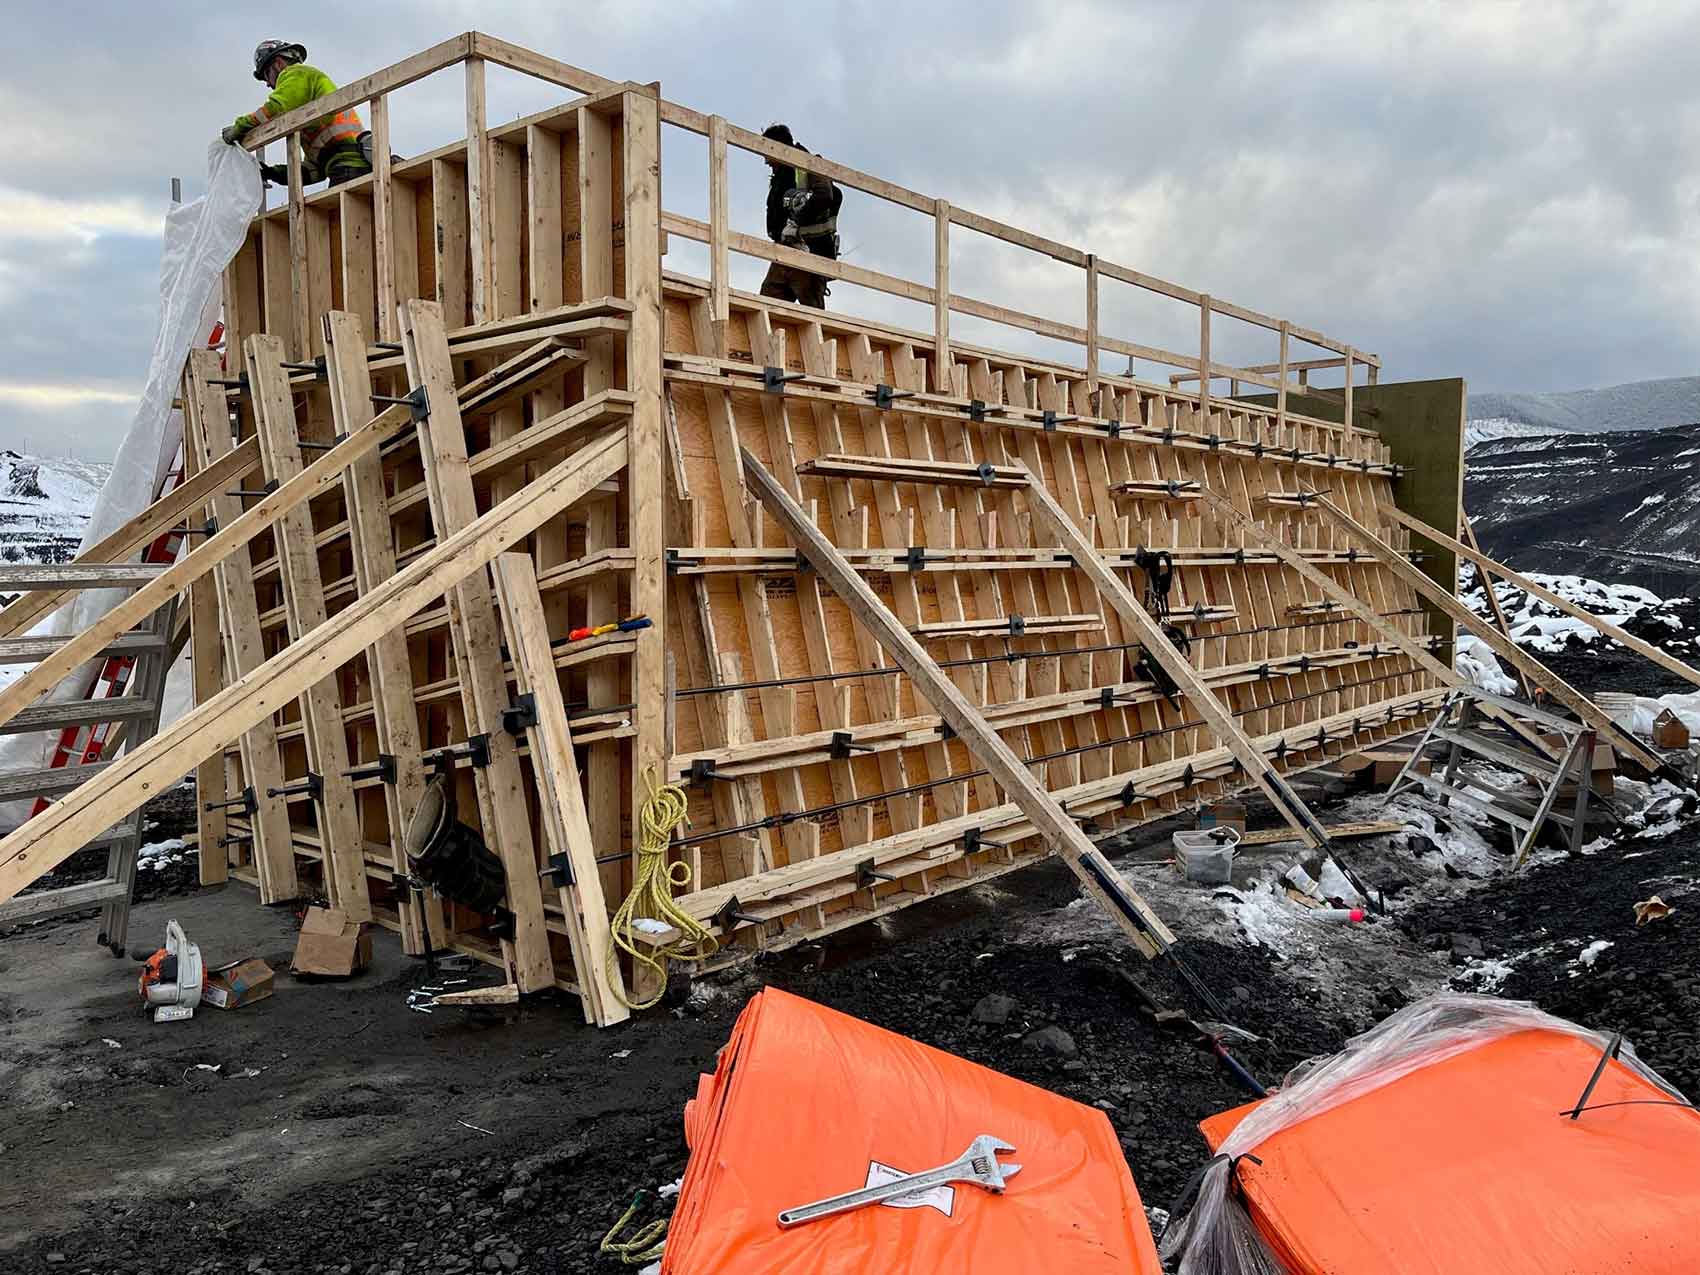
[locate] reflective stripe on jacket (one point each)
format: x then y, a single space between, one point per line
297 86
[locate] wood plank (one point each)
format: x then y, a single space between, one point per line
206 668
560 794
646 494
76 576
53 836
371 543
1469 538
206 430
1143 928
304 599
477 641
390 78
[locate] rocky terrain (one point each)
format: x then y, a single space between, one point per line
1620 508
44 505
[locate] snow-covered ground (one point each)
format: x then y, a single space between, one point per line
1539 626
44 506
1483 429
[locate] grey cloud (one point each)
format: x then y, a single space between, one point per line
1501 192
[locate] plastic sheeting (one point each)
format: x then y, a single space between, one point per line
200 238
806 1102
1435 1143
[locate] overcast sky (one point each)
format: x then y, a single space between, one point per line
1502 192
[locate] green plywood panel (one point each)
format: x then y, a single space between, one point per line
1422 423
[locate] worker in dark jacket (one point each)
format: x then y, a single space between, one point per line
802 212
335 148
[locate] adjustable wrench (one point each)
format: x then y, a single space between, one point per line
978 1165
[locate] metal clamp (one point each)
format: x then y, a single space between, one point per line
867 874
702 770
988 472
976 409
773 379
416 401
916 557
560 869
247 493
247 803
521 715
476 750
885 395
312 786
843 744
384 768
1052 420
1017 625
235 839
974 841
208 528
732 914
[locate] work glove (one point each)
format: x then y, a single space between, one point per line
796 199
232 134
276 174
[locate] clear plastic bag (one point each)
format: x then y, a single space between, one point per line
1217 1237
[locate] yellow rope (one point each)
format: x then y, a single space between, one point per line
645 1244
653 885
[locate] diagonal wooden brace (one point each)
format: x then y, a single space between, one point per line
1144 929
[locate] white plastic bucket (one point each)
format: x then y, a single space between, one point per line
1619 706
1207 854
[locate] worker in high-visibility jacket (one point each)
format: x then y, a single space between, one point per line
802 212
334 148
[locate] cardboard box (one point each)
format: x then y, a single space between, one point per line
332 945
1389 764
237 984
1669 731
1223 815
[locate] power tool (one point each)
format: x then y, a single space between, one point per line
172 978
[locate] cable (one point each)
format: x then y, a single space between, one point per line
644 1245
727 688
780 820
653 883
1628 1102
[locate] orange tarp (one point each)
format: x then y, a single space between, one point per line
804 1100
1467 1167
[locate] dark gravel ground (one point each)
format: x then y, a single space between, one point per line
536 1195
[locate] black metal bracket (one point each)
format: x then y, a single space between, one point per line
916 558
1212 441
773 379
946 731
1113 429
843 744
975 840
476 750
418 403
316 367
208 528
702 770
1109 696
521 715
1017 625
976 409
313 786
988 472
240 381
384 768
885 395
731 913
260 493
560 870
1052 420
247 803
1129 794
867 874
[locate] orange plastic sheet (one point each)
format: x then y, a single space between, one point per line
1467 1165
805 1101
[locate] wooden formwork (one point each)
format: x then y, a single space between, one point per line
516 278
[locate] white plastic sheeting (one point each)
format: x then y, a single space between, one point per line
1217 1236
199 240
1474 661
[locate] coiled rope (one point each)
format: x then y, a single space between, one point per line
653 885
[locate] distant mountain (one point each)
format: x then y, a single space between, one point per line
1618 506
44 506
1638 405
1482 431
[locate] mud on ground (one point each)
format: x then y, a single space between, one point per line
373 1139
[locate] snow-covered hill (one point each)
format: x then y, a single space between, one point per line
1657 404
44 506
1496 427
